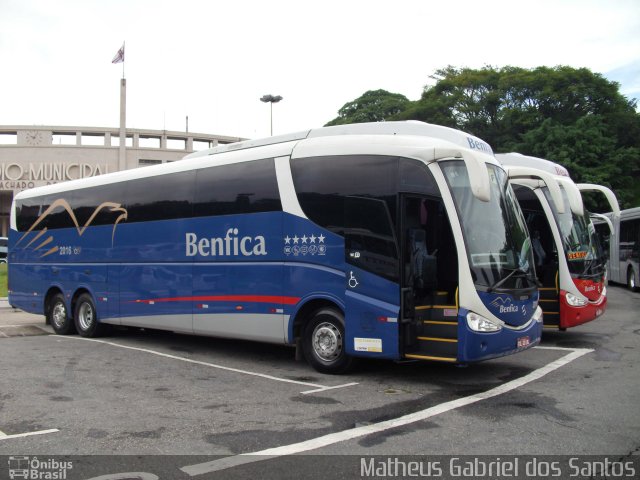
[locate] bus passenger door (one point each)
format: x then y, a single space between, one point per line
372 291
545 254
429 273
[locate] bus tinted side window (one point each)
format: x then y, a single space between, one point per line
27 213
161 197
58 217
629 240
416 178
355 197
604 236
87 204
369 239
92 206
239 188
31 212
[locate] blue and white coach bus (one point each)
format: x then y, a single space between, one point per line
388 240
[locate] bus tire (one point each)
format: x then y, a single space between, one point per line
86 317
58 317
323 342
631 279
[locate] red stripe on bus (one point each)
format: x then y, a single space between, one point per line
226 298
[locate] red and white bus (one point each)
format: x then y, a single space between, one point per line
570 265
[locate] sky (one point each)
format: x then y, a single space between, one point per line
212 60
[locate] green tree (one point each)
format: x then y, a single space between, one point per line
579 147
571 116
372 106
465 99
500 105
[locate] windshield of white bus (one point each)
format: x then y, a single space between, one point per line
578 240
495 232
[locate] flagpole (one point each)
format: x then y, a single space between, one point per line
122 157
122 153
122 148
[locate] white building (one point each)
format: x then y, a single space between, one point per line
31 156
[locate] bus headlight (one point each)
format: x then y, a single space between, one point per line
575 301
478 323
537 315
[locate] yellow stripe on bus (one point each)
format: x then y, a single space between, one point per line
435 339
426 357
436 322
438 307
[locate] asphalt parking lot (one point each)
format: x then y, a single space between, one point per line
200 407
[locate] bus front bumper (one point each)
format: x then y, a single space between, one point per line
571 316
478 346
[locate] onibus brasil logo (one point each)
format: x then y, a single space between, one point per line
38 469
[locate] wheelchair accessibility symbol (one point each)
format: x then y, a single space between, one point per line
353 283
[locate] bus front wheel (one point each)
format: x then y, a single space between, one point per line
58 317
324 342
86 317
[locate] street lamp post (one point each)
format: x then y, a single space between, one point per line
271 99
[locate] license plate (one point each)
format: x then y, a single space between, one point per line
523 342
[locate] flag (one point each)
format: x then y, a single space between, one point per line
119 56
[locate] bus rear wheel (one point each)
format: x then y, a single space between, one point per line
58 317
86 317
324 343
631 279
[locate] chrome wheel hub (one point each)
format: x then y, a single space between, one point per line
85 316
327 341
59 315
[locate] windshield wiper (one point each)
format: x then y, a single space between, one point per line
519 271
593 268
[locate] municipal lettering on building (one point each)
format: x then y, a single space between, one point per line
20 176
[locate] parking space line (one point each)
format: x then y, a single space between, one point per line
565 349
317 387
22 325
333 438
323 389
4 436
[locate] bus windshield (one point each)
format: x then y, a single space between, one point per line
600 264
578 240
498 245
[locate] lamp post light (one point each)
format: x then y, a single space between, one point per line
271 99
